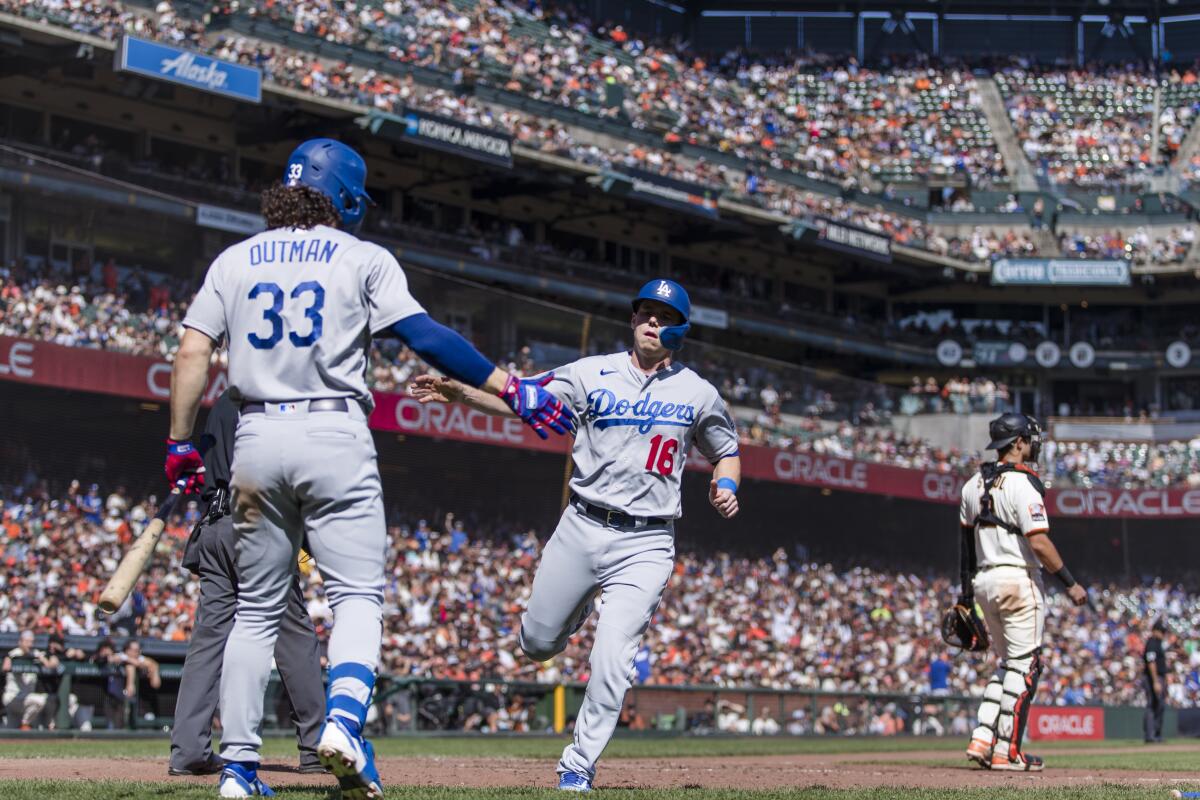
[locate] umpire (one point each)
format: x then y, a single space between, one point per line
210 554
1156 682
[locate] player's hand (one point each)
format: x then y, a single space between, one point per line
434 389
1078 595
723 500
184 466
537 408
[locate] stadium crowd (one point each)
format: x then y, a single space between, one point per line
1092 125
834 120
456 587
139 312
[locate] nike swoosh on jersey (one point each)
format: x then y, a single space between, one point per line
604 372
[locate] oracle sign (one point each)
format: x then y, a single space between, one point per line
1122 503
1050 723
815 470
456 422
936 486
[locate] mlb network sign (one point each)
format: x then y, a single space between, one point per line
176 65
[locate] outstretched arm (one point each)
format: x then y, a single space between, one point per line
432 389
447 350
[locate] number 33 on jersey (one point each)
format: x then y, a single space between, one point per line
296 307
636 431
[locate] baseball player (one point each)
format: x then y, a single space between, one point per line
641 412
1003 518
297 305
211 555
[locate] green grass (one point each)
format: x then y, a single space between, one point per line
539 747
112 790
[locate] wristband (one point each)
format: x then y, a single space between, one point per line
178 447
727 483
1065 576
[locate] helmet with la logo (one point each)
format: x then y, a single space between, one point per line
335 170
671 294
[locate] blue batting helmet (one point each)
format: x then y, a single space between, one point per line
671 294
335 170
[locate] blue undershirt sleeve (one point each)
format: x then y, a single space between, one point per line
444 348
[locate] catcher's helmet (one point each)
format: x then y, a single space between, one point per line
1007 428
335 170
671 294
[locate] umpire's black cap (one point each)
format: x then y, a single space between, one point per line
1007 428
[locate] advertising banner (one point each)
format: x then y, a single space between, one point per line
1059 723
85 369
186 68
145 378
836 236
459 138
648 187
227 219
1059 272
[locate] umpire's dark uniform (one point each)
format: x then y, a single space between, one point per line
1156 702
210 554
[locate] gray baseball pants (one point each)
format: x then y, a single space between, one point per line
297 655
631 568
302 475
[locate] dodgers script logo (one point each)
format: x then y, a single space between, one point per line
604 410
184 66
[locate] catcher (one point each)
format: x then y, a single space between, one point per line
1006 543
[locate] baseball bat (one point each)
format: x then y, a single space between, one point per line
135 559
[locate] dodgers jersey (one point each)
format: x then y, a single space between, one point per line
1015 501
635 431
298 308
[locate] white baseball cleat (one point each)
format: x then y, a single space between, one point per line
351 759
241 780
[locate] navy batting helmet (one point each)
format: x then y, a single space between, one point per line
1007 428
671 294
335 170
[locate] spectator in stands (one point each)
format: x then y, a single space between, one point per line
22 702
142 678
764 724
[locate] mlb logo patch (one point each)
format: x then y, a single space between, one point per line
1037 512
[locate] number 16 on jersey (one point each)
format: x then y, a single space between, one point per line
662 455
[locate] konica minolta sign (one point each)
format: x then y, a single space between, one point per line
190 69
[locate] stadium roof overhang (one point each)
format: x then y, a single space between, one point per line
1155 9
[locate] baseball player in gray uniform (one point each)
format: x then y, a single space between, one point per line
640 414
298 305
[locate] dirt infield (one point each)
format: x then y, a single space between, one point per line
859 770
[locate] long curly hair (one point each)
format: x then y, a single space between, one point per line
298 207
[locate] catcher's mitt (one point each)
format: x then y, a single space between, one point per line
961 627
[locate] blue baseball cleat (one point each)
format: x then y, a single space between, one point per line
240 779
574 782
351 759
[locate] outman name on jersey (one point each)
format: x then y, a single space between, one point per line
1015 501
298 307
636 430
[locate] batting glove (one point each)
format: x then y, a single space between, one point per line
184 466
539 409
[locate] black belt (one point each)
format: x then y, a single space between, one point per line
615 519
324 404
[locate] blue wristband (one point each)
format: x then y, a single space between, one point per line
727 483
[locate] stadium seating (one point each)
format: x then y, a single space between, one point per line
1092 126
772 622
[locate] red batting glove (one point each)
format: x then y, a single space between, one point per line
184 464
